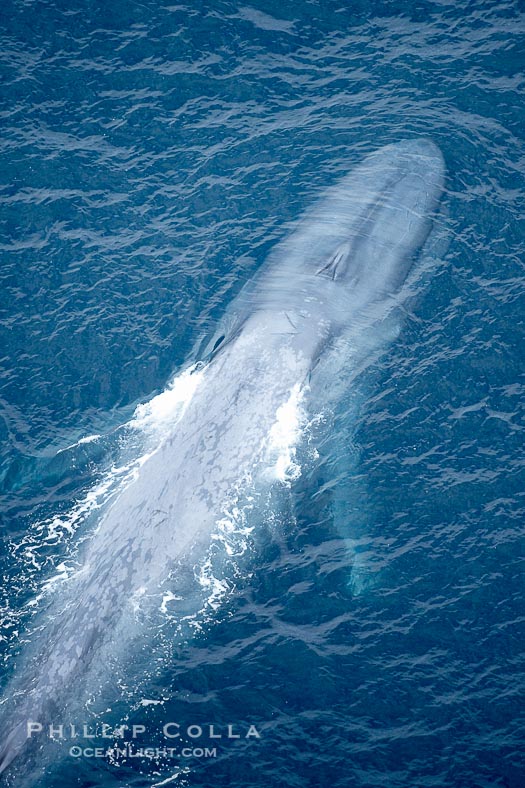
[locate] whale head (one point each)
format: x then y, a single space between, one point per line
354 248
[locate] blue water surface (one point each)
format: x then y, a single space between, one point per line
152 153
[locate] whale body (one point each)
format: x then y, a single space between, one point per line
337 274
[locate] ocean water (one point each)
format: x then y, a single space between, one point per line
152 154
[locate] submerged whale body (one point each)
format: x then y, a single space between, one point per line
339 273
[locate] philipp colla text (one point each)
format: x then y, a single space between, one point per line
170 730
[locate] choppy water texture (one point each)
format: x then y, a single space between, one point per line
152 154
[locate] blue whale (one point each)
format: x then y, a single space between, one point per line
340 273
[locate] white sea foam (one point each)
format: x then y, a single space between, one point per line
150 702
150 423
81 441
180 774
153 419
167 408
140 438
284 438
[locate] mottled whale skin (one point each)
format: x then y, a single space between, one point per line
337 272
